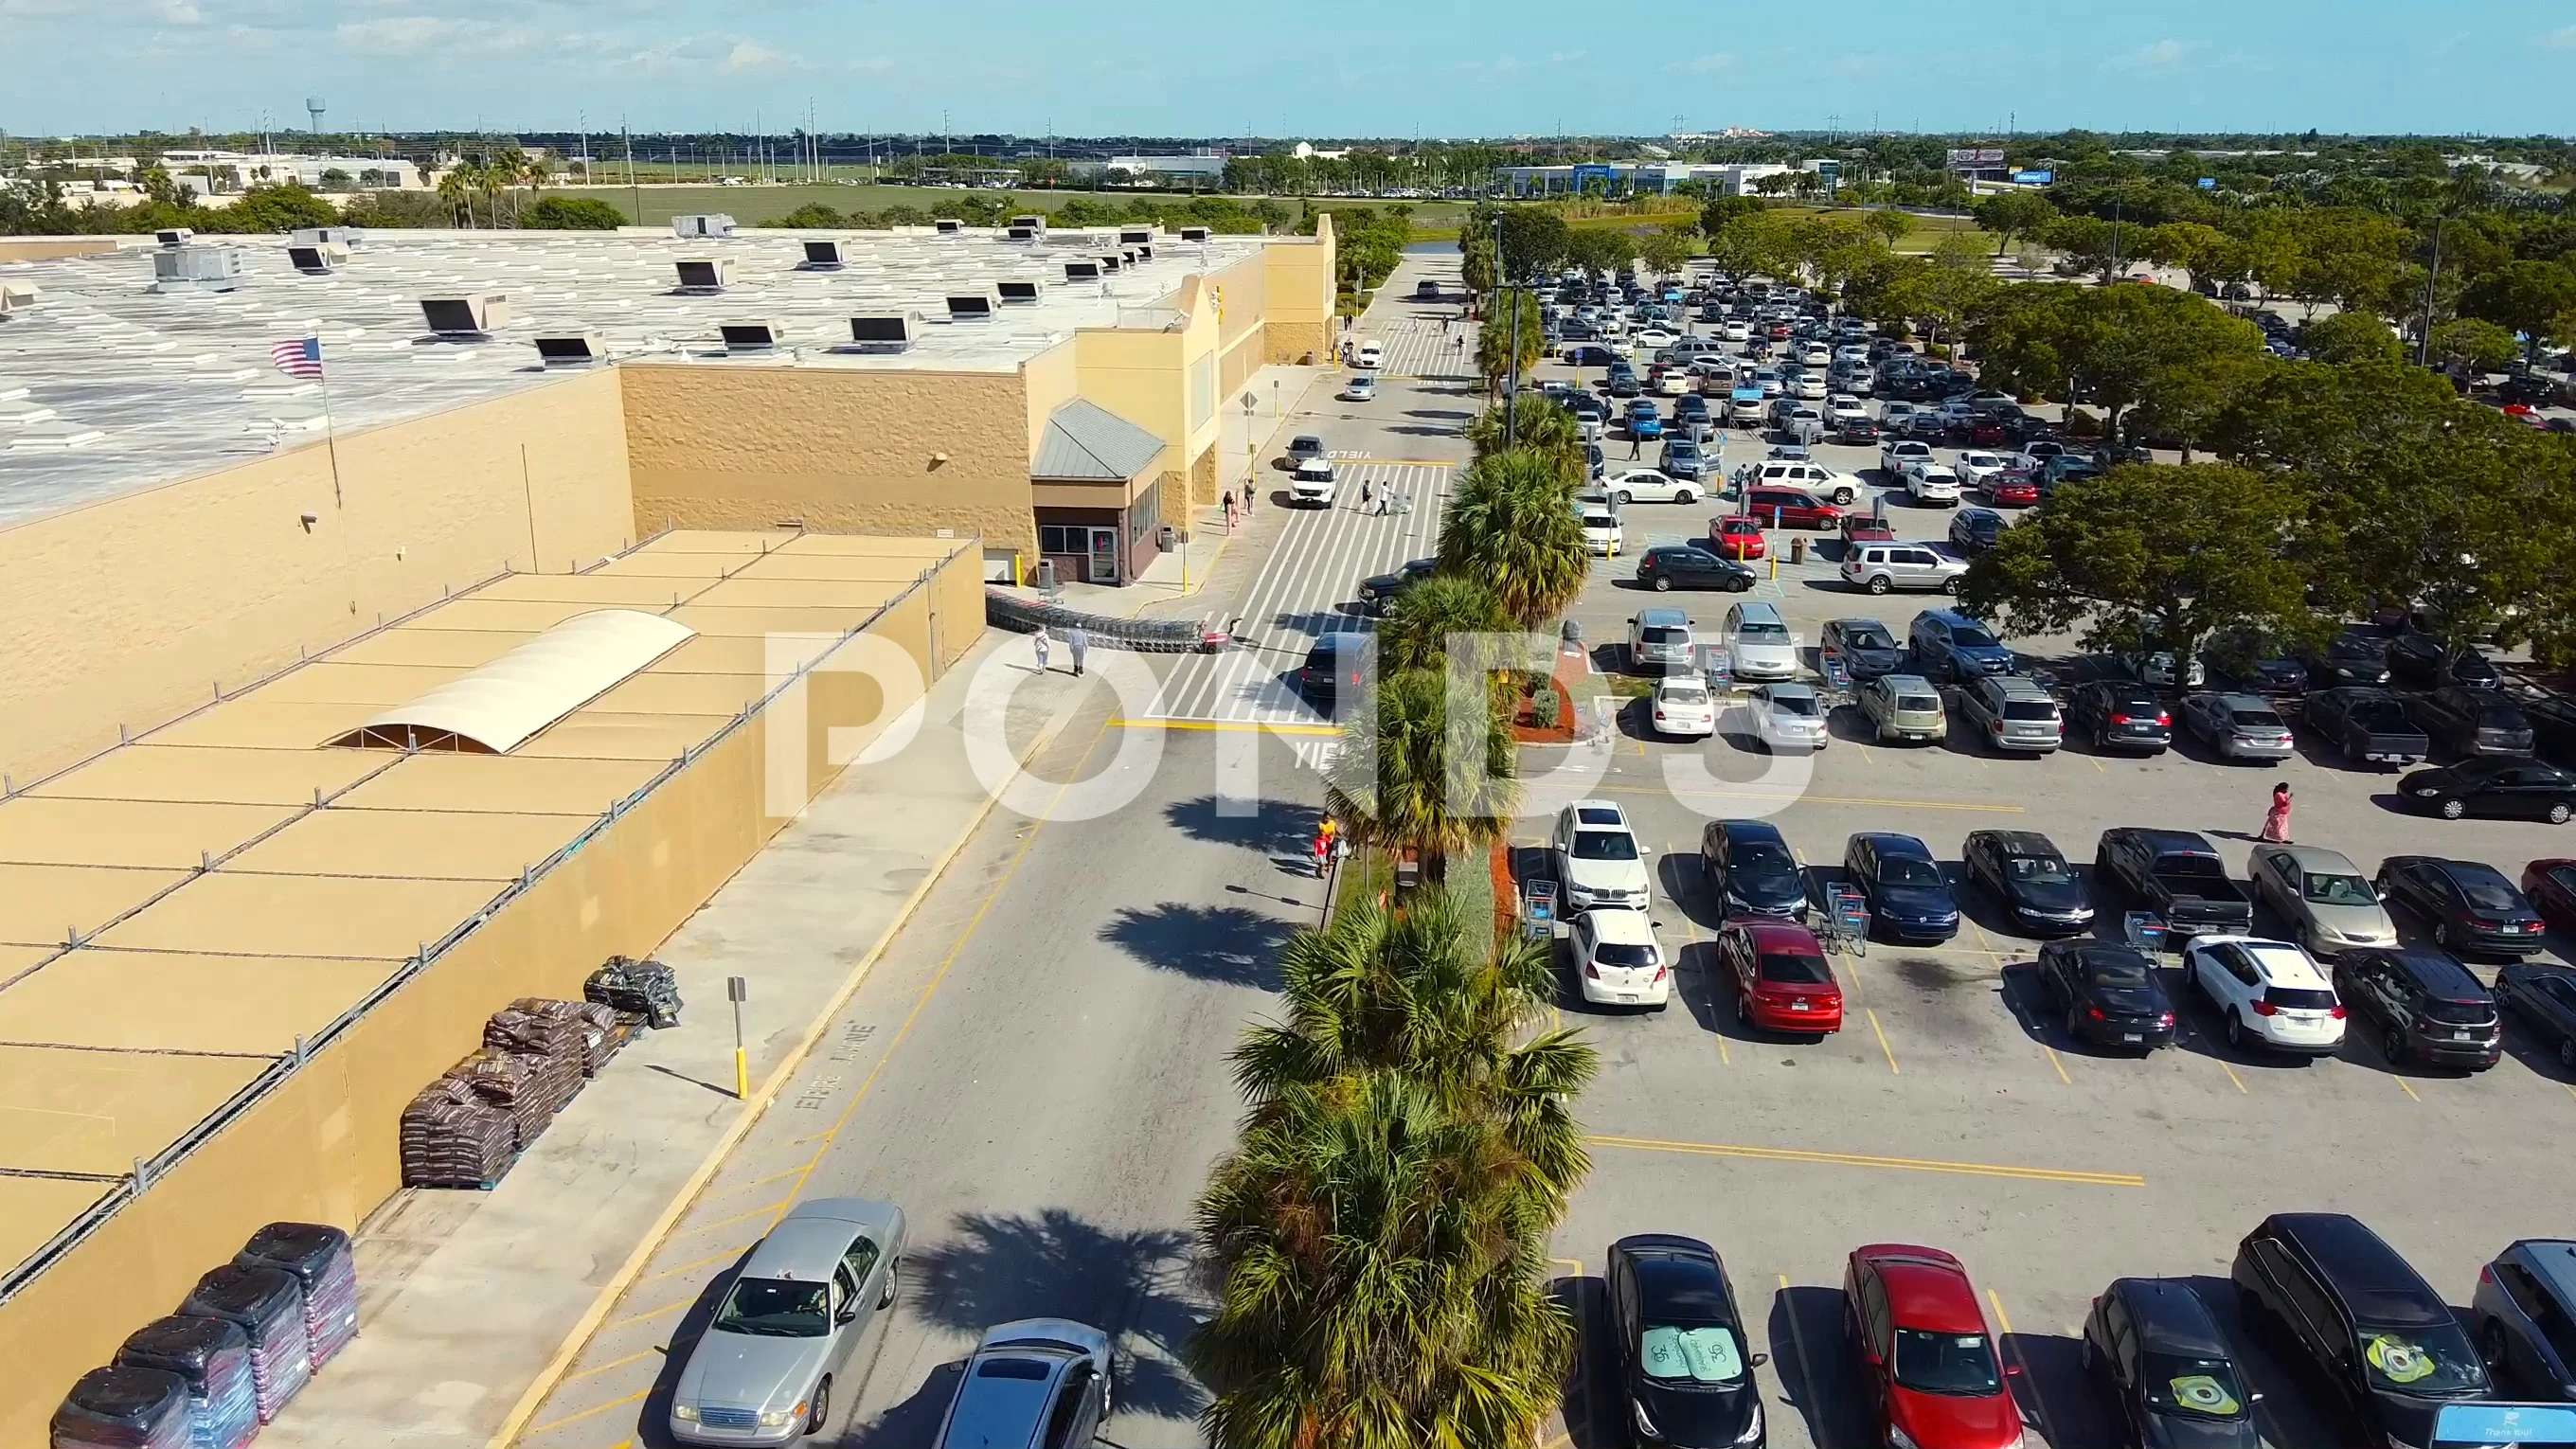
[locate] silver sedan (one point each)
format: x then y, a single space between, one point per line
2330 905
2238 726
762 1372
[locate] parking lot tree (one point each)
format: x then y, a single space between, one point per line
1537 425
2208 254
1600 250
2015 216
2524 296
2350 337
1421 625
2183 404
1667 250
2105 345
2352 258
1535 239
2088 242
1426 769
2474 344
2151 556
1719 210
1504 350
1476 260
1513 525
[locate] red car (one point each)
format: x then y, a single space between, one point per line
2012 490
1792 508
1929 1369
1737 538
1782 980
2551 884
1779 332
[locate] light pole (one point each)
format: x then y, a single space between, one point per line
1511 341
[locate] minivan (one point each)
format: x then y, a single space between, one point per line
2013 713
1902 707
1659 641
2339 1306
1757 639
1881 567
1952 648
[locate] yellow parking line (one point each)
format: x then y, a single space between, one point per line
1254 726
1882 1042
2402 1086
2231 1074
2054 1062
2003 1320
586 1413
727 1256
614 1363
2097 766
672 1307
1859 1159
755 1182
736 1218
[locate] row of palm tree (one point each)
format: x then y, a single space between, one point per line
492 177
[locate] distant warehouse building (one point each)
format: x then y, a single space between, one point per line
1631 178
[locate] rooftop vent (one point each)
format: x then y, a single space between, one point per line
1194 233
883 331
1144 254
1135 236
970 307
177 236
715 224
824 256
472 314
189 268
1129 253
323 236
1082 271
947 226
751 337
13 296
1110 261
1032 222
1017 293
1022 234
579 349
318 259
704 275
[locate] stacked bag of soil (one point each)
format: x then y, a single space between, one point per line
646 988
318 1255
267 1304
452 1137
531 1087
212 1357
603 1028
124 1408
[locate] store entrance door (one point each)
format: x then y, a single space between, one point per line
1104 556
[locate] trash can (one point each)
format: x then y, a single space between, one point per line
1046 576
1168 538
1798 549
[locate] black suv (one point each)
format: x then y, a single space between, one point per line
1337 670
2120 714
2344 1311
2427 1007
2525 1310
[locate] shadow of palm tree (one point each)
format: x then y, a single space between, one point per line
1214 943
994 1268
1273 827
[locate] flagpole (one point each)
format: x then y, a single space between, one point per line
330 428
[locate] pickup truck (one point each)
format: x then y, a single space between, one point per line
2178 875
2369 725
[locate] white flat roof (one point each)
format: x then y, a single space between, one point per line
107 387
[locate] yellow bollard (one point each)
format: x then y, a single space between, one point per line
1775 562
741 1076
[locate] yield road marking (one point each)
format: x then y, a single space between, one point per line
1858 1159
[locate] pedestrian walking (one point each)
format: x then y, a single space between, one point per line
1327 841
1636 445
2276 821
1229 510
1039 642
1364 495
1080 644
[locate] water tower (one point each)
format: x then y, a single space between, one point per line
313 107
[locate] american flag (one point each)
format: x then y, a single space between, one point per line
299 358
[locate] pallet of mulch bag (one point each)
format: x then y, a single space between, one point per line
452 1137
212 1355
531 1088
123 1408
647 988
603 1028
267 1304
319 1257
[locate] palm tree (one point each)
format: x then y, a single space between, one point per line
1513 525
1383 1272
1536 423
1496 356
1401 783
1421 625
456 188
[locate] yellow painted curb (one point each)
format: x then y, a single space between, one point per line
549 1378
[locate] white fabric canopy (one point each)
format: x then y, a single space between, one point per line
495 708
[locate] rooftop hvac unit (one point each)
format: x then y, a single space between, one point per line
1022 234
197 269
883 331
177 236
742 337
947 226
323 236
715 224
970 307
1032 223
473 314
319 259
1194 233
1082 271
13 296
1109 261
577 350
824 256
704 274
1129 253
1135 236
1144 254
1017 292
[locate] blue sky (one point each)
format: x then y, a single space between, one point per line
1324 67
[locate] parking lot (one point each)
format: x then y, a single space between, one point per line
1952 1110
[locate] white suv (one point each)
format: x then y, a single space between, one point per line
1598 860
1932 482
2270 992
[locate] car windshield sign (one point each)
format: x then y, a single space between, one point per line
2494 1426
775 1308
2421 1359
1958 1364
2203 1388
1688 1354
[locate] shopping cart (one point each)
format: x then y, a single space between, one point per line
1844 923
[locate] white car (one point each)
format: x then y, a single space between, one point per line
1682 706
1896 453
1811 387
1805 424
2156 669
1618 960
1598 859
1736 332
1647 485
1767 379
1601 533
1369 354
1976 467
1844 408
1932 483
1788 717
2269 992
1656 337
1312 483
1758 642
1361 388
1892 414
1675 382
1815 354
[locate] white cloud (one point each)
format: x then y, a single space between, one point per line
2162 55
180 12
1566 57
749 56
1709 64
396 34
2560 39
872 63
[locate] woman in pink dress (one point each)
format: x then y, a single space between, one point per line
2276 821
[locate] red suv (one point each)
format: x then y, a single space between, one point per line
1782 980
1932 1378
1795 509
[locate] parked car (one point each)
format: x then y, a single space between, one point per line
1929 482
1681 707
2424 659
1782 980
2468 903
1649 485
1312 482
2238 726
1377 591
2331 907
1617 960
1758 641
2109 994
1788 717
2550 885
1684 463
1929 1375
2424 1005
2120 714
2011 490
1036 1382
1792 508
1598 861
1896 454
2175 873
1909 898
2542 998
2368 725
2029 876
1670 566
1679 1344
2159 668
762 1371
2340 1308
1878 568
2269 994
2012 714
2353 658
1752 871
1659 641
2525 1312
1866 647
1738 537
1974 530
2495 787
1953 648
2471 721
1902 707
2153 1348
